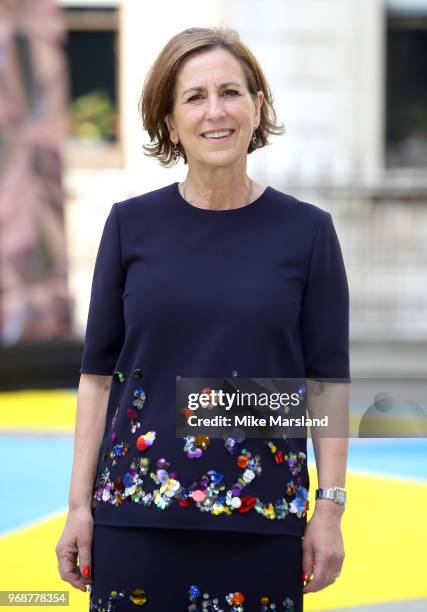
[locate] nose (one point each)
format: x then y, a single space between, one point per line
214 107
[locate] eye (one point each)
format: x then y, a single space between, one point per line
228 92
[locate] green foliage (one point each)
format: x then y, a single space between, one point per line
93 117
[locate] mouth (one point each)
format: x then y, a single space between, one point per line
219 136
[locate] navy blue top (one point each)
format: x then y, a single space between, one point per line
180 291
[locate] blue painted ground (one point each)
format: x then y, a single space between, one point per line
36 470
393 457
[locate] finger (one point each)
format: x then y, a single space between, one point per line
319 579
72 577
85 560
68 569
334 568
66 561
307 562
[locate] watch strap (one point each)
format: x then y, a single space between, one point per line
335 494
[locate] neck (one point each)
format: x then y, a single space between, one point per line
218 194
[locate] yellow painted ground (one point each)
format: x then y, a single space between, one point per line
28 562
52 411
384 529
385 537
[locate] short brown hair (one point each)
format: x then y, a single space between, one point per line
157 95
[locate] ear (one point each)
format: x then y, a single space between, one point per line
259 103
169 123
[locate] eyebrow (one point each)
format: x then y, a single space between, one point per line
202 88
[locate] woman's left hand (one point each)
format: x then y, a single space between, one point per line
323 547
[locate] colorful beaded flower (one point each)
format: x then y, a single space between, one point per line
235 600
195 446
169 485
146 440
133 415
138 597
139 398
236 436
119 450
295 461
119 376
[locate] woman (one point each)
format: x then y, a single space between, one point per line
218 276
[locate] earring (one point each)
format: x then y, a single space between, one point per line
175 152
254 138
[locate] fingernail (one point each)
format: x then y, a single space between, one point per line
304 576
86 571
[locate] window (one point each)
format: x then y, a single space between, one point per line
92 52
406 87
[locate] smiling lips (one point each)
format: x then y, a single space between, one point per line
218 134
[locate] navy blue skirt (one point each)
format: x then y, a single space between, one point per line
191 570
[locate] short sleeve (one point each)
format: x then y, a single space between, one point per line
105 329
325 308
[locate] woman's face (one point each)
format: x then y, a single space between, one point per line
211 94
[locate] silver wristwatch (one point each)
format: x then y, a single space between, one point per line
335 494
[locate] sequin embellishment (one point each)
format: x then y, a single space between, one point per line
195 446
236 436
119 450
139 395
133 414
199 602
146 440
210 493
137 597
295 461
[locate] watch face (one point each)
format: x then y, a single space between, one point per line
341 497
